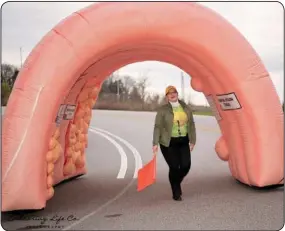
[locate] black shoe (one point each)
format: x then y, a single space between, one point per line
177 198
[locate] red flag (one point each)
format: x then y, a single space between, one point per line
147 175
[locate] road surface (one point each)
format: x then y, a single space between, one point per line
106 198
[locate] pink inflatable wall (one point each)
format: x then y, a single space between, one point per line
46 121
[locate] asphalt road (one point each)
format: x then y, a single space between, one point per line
100 201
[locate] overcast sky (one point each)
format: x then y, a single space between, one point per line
25 23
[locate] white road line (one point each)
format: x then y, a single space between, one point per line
124 159
102 206
137 156
138 165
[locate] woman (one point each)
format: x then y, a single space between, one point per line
175 132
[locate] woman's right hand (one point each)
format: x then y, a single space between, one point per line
155 149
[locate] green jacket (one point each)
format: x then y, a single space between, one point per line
164 122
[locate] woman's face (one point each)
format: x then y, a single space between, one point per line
172 96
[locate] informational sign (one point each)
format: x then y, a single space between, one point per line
65 112
212 104
60 114
229 101
69 112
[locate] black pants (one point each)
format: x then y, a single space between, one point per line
178 158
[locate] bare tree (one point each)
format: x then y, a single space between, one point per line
9 74
142 84
155 99
129 84
135 95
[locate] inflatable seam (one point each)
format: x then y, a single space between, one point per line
68 42
61 35
80 15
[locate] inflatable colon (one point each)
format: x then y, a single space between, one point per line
48 114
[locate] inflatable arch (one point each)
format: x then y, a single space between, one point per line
47 117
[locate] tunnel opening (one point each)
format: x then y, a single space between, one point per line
202 81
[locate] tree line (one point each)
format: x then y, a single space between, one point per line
117 93
126 93
9 74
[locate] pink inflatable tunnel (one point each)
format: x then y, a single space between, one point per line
48 114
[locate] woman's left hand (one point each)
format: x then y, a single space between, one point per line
191 146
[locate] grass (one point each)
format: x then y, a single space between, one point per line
204 113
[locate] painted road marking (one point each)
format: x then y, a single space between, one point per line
102 206
124 159
137 156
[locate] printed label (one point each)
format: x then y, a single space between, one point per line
69 112
229 101
65 112
212 104
60 114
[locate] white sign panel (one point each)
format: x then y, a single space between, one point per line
65 112
60 114
229 101
69 112
212 104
